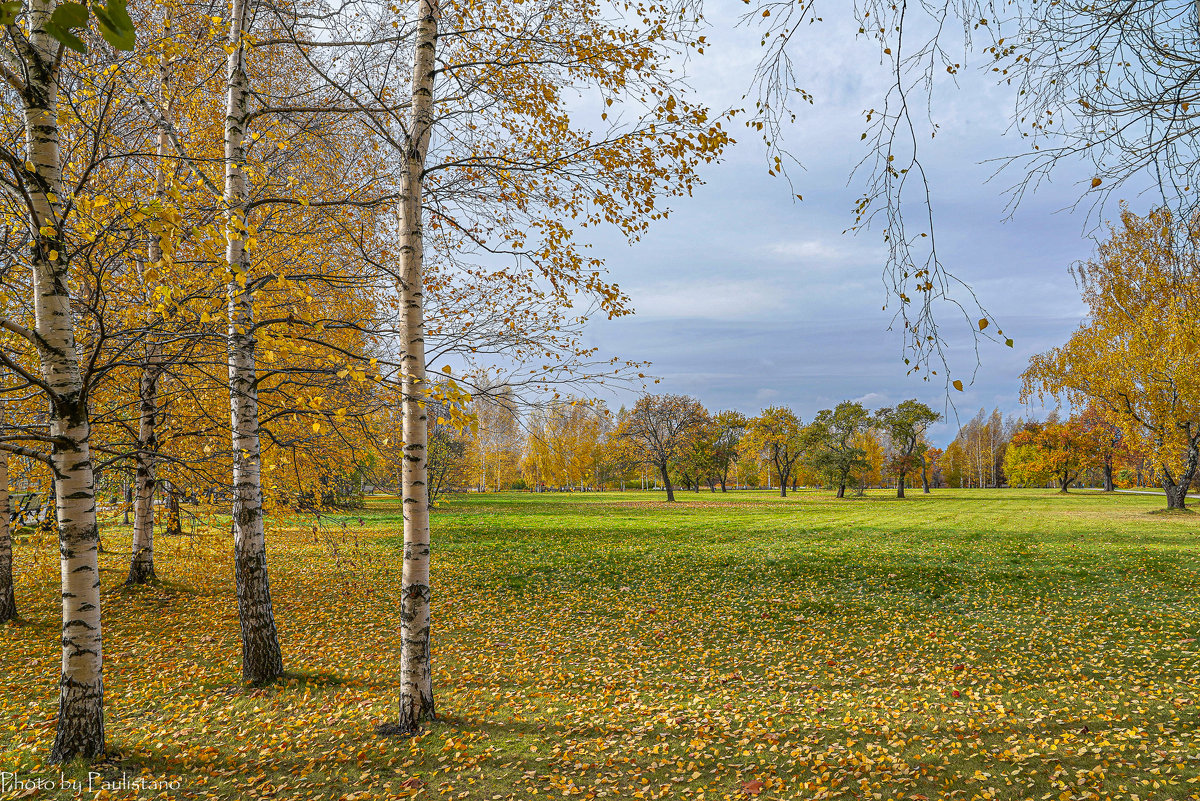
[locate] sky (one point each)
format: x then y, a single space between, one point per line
746 299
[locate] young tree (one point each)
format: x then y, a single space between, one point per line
833 434
498 84
905 425
658 430
777 436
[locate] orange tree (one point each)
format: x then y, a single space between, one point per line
1052 450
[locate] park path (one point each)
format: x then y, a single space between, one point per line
1137 492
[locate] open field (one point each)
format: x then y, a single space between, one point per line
969 644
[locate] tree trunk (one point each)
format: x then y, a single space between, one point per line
80 729
416 677
667 483
900 485
1109 486
8 600
1176 493
174 517
925 477
262 660
723 480
841 493
141 566
1177 490
1064 483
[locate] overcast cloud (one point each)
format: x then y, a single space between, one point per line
745 298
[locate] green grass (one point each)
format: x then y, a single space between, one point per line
969 644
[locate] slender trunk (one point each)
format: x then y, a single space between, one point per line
783 480
80 730
667 482
141 566
416 677
8 600
723 480
925 477
841 493
127 494
1109 486
900 485
174 517
262 659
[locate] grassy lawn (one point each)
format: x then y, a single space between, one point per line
969 644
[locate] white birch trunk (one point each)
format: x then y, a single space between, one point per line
416 683
8 599
262 660
141 565
80 731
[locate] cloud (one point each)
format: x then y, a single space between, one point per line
871 398
766 394
808 250
721 299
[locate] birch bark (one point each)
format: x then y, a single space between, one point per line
8 599
80 731
141 566
416 684
262 660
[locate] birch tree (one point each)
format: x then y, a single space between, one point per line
1135 356
32 67
8 600
262 659
416 676
510 167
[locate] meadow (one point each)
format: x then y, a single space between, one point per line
969 644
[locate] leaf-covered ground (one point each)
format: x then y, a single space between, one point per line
967 645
